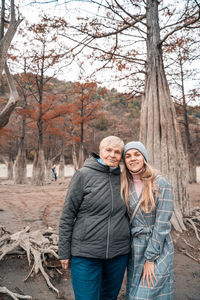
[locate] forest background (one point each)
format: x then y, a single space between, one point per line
68 119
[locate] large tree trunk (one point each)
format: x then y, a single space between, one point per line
20 172
39 167
10 168
5 41
74 156
62 167
8 161
159 129
12 102
38 175
49 164
62 162
20 166
81 156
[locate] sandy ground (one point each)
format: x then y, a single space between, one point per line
40 207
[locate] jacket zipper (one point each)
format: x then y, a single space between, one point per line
109 219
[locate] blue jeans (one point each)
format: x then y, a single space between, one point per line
97 279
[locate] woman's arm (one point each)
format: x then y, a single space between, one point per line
70 210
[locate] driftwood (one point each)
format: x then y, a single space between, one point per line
37 245
194 221
15 296
194 227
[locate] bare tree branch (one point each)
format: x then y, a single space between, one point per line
11 104
188 21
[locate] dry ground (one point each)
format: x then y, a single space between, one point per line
40 207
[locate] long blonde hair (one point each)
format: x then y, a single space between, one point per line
148 177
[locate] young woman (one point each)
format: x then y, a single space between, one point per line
94 230
149 200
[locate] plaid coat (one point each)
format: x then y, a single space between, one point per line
151 240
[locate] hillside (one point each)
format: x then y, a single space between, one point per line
119 115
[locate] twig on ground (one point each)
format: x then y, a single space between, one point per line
188 244
189 255
15 296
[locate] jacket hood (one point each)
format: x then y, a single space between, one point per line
92 163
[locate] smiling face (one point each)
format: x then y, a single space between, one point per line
111 155
134 160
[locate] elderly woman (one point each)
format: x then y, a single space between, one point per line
149 200
94 230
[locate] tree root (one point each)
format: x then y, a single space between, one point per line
189 255
188 244
15 296
194 227
37 244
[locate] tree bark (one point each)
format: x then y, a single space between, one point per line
159 130
81 156
20 172
39 168
74 156
62 167
11 104
10 168
20 165
49 164
62 162
6 39
8 161
38 175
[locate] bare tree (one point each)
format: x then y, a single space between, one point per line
5 41
41 58
159 129
20 165
183 67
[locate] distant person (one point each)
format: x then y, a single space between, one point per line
149 200
53 173
94 230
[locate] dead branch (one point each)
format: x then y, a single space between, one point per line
191 246
194 227
12 102
15 296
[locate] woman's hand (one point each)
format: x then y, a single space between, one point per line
65 263
148 274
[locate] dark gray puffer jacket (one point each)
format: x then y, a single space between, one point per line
94 221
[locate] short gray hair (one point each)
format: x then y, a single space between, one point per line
111 141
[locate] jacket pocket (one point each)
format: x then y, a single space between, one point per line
79 229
